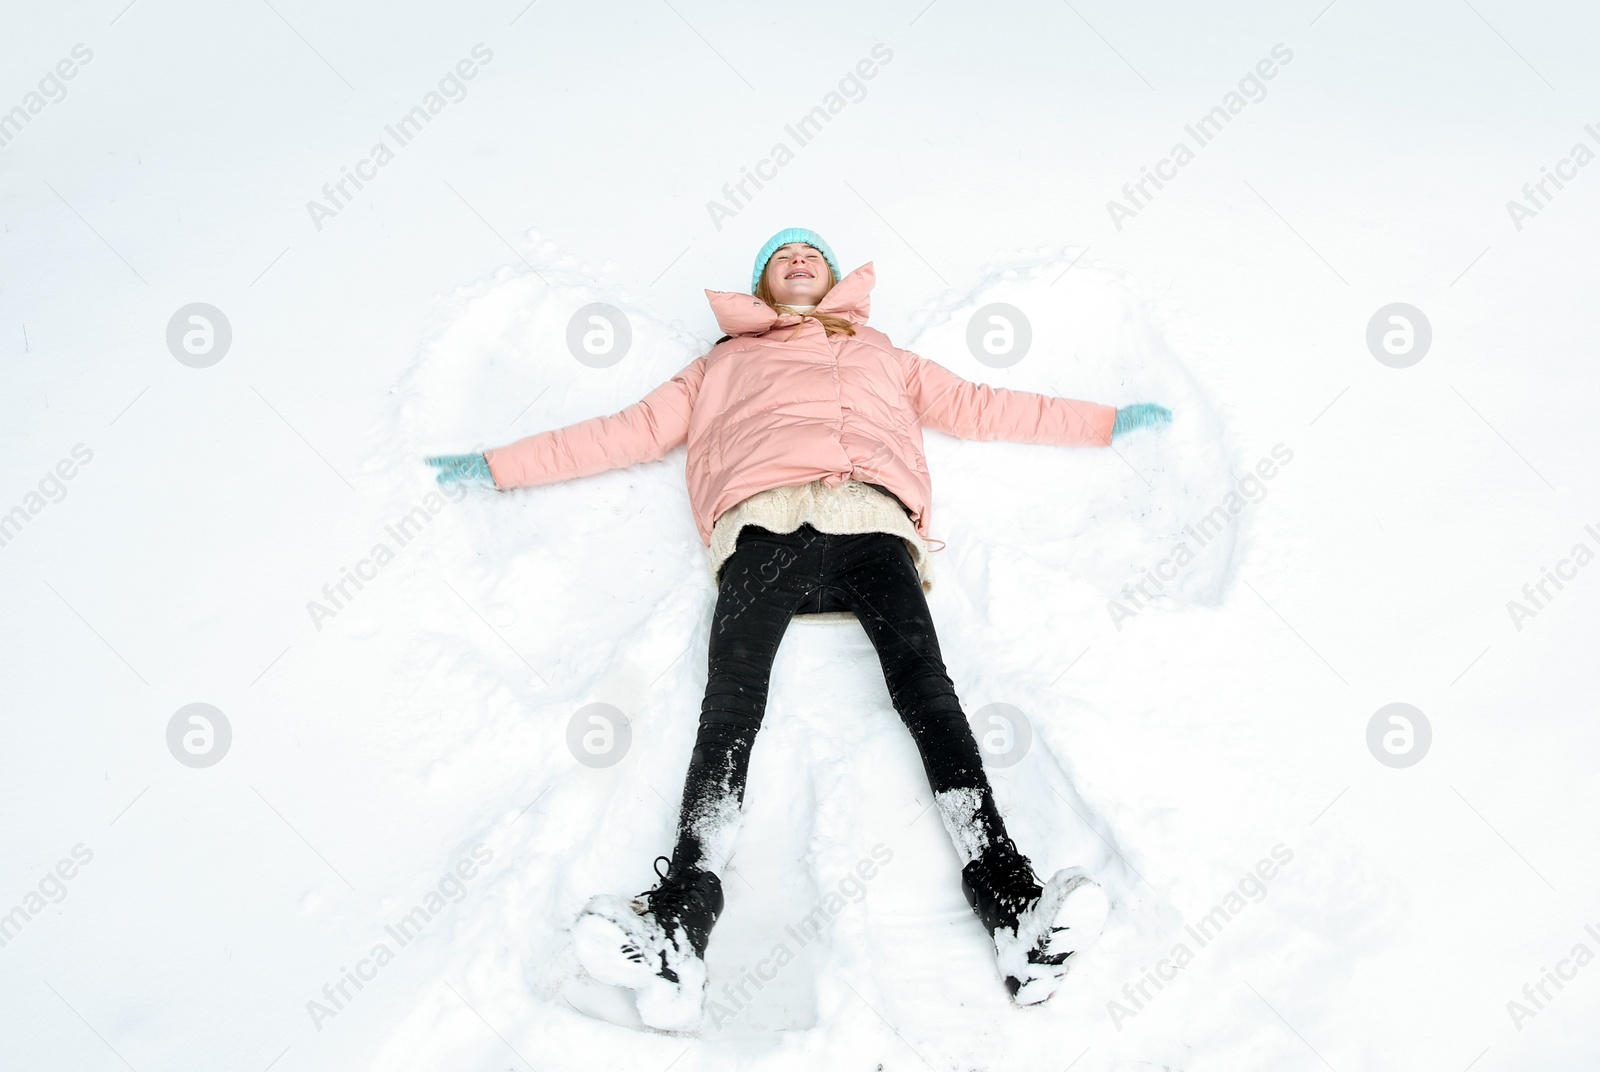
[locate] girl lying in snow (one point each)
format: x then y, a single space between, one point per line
809 486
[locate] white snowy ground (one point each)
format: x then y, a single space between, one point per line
415 740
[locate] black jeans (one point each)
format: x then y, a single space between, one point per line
768 579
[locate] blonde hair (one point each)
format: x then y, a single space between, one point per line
833 325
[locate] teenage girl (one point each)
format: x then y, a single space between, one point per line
809 486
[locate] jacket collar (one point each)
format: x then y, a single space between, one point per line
746 314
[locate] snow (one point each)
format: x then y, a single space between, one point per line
958 809
401 811
626 951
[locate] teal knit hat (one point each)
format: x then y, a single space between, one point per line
783 238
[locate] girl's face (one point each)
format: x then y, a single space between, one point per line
798 275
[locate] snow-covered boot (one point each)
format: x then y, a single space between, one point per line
1035 930
655 944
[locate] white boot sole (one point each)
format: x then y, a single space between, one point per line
1073 911
603 936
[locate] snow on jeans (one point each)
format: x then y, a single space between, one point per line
768 579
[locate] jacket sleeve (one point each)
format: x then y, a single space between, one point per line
947 403
644 431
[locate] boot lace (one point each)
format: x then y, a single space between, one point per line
685 903
673 897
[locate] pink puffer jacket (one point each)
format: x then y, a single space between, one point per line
782 402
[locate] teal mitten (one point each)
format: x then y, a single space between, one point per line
1139 415
465 469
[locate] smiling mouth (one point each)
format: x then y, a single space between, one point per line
800 275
